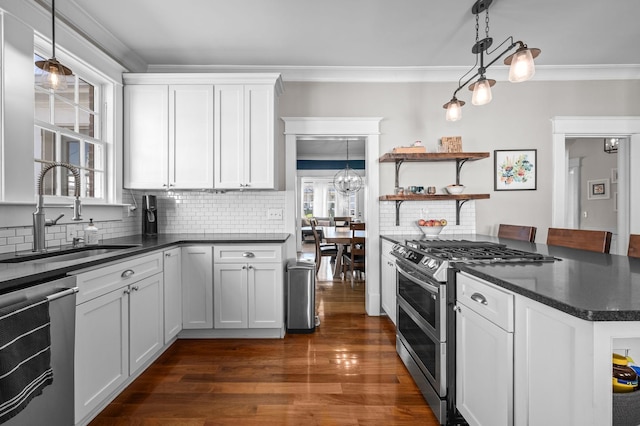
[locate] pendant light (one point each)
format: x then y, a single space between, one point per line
347 181
54 74
522 67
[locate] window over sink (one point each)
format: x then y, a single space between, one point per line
68 128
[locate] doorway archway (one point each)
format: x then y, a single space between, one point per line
368 128
628 207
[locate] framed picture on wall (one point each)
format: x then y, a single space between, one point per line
598 189
515 170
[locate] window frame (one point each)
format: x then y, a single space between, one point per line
105 116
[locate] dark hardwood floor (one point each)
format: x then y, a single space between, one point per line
346 373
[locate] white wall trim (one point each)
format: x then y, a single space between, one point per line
368 127
344 74
628 207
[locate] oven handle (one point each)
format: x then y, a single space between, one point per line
429 287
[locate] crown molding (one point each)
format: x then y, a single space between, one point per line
341 74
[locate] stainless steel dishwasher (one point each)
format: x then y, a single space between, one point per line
55 405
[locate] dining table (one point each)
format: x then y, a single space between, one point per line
341 237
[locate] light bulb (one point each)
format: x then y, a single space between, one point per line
522 66
481 92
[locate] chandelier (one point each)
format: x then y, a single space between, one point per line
521 62
347 181
54 74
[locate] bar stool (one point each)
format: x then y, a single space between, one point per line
516 232
598 241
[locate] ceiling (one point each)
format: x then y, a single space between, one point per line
147 35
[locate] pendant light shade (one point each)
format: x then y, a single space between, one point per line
454 109
481 91
54 74
522 66
347 181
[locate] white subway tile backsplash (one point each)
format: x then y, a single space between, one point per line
232 212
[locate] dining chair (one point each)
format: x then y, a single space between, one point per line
634 246
517 232
598 241
322 249
358 226
354 260
342 221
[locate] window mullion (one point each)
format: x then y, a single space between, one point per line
58 157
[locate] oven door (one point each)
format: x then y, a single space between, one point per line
429 354
426 297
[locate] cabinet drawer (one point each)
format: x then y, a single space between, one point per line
486 299
247 253
104 279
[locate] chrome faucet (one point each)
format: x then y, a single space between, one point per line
39 220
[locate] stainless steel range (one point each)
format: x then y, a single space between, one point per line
425 338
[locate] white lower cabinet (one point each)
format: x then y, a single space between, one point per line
102 350
388 280
146 320
172 293
117 333
197 287
555 370
484 356
248 287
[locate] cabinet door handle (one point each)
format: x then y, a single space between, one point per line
248 254
456 308
135 288
244 267
477 297
126 291
127 273
250 267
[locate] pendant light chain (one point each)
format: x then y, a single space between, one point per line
486 22
53 28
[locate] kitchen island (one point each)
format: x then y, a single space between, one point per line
568 317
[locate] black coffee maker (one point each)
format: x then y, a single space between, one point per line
149 215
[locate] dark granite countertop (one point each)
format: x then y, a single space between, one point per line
14 276
591 286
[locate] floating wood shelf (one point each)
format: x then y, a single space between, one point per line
459 157
435 197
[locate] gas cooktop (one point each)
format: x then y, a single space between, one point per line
433 257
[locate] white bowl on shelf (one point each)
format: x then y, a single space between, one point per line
430 231
455 189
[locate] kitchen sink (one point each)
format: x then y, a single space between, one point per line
66 254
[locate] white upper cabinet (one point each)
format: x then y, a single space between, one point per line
191 137
168 136
172 122
245 149
146 137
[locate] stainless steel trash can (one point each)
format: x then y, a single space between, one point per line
301 297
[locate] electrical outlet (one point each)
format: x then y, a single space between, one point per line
274 214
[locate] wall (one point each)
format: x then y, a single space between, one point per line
231 212
517 118
595 164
